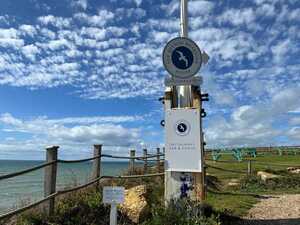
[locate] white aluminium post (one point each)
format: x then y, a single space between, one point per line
184 18
183 93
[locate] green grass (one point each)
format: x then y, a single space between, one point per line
238 200
231 203
263 163
86 208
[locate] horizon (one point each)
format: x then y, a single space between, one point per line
81 72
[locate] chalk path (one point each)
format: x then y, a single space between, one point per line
275 210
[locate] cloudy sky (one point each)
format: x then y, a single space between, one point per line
78 72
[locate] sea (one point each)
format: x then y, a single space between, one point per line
19 191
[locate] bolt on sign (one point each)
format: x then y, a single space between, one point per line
183 140
113 196
182 58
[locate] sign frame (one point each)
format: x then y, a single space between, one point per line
192 48
113 195
183 151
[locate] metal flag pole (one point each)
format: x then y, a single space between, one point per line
183 93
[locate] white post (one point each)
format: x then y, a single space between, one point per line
184 96
183 93
113 214
184 18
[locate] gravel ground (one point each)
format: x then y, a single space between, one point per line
275 210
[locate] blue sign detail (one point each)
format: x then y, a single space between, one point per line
186 185
182 58
182 127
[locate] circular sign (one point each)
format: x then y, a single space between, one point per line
182 127
182 58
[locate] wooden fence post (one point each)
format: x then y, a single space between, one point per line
50 179
249 172
158 160
131 162
96 169
145 161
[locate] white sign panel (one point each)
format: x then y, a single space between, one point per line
183 144
173 81
182 58
113 195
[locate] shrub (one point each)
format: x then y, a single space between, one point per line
183 212
284 182
81 208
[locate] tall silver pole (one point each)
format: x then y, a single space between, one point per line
184 18
183 94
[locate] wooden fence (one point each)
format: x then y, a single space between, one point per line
50 174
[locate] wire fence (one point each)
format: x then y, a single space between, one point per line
50 168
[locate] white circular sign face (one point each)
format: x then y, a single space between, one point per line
182 127
182 58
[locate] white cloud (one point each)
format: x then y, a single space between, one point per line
57 44
254 124
82 4
104 130
237 17
295 121
198 8
94 32
294 133
10 33
30 51
102 18
59 22
11 43
28 30
138 2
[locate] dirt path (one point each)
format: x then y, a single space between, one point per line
275 210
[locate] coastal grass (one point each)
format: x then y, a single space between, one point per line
237 200
224 204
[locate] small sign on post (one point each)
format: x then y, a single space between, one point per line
113 196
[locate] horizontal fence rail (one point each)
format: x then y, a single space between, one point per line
50 167
20 210
226 170
51 172
22 172
128 157
78 160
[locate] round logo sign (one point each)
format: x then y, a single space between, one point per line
182 58
182 127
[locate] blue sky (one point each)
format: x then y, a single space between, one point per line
78 72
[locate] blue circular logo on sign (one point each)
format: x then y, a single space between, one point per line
182 57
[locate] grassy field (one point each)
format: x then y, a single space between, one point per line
238 200
225 203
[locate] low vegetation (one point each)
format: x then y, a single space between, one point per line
284 183
224 204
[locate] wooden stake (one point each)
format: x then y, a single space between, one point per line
145 161
158 160
131 162
50 179
96 168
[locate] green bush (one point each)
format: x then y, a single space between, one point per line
285 181
183 212
86 208
81 208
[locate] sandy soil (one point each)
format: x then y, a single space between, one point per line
275 210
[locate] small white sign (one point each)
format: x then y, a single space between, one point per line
173 81
182 58
183 140
113 195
